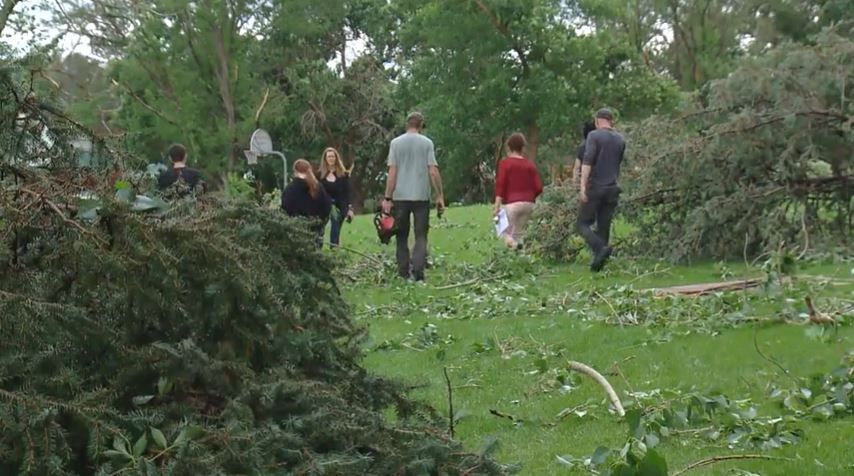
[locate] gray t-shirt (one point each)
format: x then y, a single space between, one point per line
603 152
412 154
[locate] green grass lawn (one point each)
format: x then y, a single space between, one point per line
505 344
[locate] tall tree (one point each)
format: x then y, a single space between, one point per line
483 68
181 71
6 8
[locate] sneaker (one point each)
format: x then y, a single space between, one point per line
600 259
418 276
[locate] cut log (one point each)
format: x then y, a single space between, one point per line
708 288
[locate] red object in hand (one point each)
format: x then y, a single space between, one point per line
385 225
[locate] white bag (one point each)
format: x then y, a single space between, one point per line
502 223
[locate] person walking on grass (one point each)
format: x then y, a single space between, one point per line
412 167
305 197
336 181
598 189
517 187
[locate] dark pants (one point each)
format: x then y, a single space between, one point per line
335 224
317 228
600 208
420 214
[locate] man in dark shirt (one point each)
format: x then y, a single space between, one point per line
179 170
599 193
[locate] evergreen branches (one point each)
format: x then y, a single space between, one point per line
204 339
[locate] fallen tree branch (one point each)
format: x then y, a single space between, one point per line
769 359
450 403
261 107
602 381
363 255
145 104
504 415
720 459
470 282
55 208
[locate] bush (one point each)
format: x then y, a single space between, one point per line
552 233
209 338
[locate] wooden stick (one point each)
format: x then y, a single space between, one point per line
261 107
450 403
363 255
720 459
602 381
470 282
145 104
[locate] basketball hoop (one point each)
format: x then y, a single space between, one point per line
251 157
261 144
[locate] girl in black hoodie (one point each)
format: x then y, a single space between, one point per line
305 197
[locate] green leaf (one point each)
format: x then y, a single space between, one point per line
164 386
159 439
120 445
633 418
144 204
124 195
116 454
187 434
651 440
141 400
542 365
139 447
600 456
652 464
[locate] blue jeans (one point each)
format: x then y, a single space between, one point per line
335 225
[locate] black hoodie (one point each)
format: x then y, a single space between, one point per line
297 201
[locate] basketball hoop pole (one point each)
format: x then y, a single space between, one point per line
284 168
260 144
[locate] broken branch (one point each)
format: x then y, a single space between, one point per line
719 459
602 381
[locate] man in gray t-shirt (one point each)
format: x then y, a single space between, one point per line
412 167
599 193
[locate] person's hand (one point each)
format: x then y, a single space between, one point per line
440 205
386 206
350 216
582 196
496 209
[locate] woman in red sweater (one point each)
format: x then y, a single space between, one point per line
517 187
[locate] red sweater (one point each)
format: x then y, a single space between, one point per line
517 181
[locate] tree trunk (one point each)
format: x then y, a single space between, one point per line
223 77
533 141
6 12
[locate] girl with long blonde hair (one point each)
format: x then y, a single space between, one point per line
335 179
305 197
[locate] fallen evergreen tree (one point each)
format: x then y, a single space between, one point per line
208 338
759 160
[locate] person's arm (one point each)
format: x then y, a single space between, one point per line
591 149
500 186
391 181
576 172
436 180
538 182
585 178
346 206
